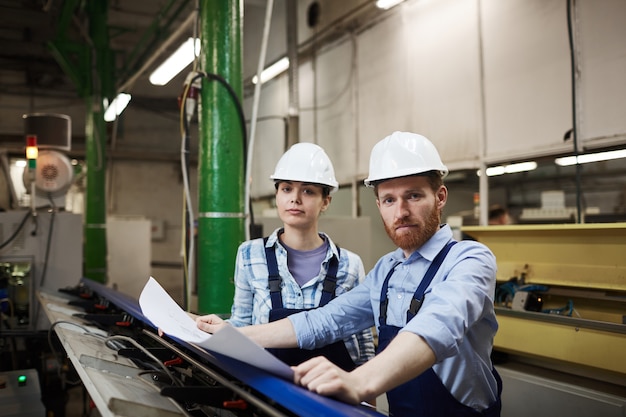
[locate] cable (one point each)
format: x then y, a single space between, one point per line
255 105
187 239
17 231
149 354
574 113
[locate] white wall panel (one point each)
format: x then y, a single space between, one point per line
334 107
527 77
383 80
601 41
444 77
270 140
418 68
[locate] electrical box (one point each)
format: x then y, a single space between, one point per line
20 394
42 252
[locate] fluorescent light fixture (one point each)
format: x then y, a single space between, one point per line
116 107
272 71
510 169
590 157
183 56
387 4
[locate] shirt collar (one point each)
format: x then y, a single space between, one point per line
273 239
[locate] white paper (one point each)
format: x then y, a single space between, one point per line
166 314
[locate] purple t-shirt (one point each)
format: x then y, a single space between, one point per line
305 265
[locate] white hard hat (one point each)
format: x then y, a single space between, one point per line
401 154
306 162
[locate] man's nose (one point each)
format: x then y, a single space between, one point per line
402 209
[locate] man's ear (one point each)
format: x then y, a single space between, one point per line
442 196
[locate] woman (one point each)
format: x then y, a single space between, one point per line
297 267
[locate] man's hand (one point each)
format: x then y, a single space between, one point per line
325 378
210 323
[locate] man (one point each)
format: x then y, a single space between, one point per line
498 215
435 337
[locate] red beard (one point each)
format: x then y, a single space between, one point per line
418 235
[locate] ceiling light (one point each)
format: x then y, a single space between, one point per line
183 56
510 169
273 70
590 157
387 4
116 107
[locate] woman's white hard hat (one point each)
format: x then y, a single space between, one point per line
306 162
401 154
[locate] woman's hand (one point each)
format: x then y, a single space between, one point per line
192 315
210 323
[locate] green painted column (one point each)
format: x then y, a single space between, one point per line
220 161
96 139
95 248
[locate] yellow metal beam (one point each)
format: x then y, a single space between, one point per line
596 348
573 255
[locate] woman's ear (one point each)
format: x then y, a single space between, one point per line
326 202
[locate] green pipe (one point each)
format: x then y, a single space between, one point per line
95 208
95 247
90 66
220 160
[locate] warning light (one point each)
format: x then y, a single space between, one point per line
32 152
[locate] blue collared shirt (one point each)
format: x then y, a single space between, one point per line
252 303
457 318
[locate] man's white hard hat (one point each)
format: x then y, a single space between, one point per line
401 154
306 162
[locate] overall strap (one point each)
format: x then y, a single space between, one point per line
418 296
384 300
330 281
273 277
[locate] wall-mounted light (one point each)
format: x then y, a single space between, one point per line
116 107
272 71
510 169
183 56
387 4
590 157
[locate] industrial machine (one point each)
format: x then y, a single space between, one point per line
561 309
129 370
40 245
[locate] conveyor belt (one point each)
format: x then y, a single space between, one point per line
207 383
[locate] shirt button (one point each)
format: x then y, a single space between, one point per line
299 295
399 296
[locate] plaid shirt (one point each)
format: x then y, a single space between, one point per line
252 303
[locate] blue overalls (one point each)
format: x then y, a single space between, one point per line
425 395
335 352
